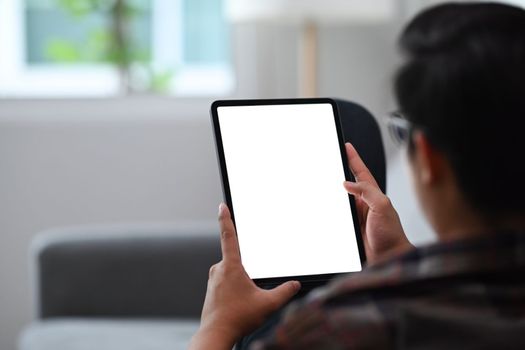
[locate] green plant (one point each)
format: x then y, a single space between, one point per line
112 43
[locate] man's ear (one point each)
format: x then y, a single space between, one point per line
429 162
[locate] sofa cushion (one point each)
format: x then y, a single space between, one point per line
106 334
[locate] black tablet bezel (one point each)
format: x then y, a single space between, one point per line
304 279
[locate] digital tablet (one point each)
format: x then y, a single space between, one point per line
283 164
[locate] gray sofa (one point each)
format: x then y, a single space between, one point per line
120 286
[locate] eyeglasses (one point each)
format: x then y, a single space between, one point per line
399 128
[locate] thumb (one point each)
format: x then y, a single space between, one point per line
281 294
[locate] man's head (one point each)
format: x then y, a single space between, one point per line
462 87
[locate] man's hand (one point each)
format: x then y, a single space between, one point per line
234 305
383 235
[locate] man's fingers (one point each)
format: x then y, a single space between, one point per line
282 294
370 194
357 166
229 243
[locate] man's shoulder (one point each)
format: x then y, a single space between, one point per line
458 289
438 274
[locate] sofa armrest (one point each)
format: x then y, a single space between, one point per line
124 270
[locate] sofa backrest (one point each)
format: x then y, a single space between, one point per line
124 270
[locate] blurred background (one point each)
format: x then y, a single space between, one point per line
104 106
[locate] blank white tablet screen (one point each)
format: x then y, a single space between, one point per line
286 176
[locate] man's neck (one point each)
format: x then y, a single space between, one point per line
467 223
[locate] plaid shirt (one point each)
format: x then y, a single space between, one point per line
461 295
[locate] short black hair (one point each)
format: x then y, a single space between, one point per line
463 84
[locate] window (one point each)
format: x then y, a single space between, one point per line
57 48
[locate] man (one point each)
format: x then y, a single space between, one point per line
462 93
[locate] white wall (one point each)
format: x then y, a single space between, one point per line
80 162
